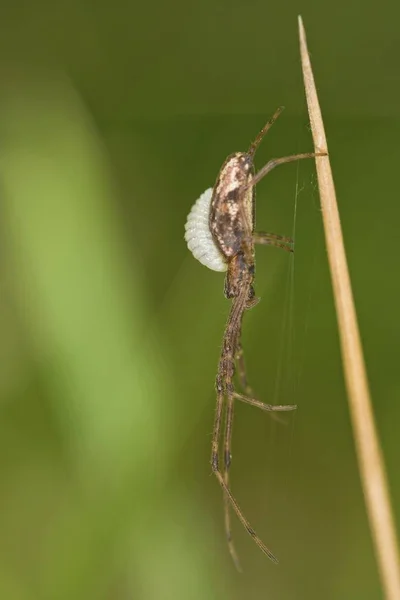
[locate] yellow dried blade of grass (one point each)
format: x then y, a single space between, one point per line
369 455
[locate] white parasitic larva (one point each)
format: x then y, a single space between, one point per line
198 235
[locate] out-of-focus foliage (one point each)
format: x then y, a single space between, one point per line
113 119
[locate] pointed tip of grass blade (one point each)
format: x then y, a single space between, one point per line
369 455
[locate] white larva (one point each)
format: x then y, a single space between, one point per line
198 235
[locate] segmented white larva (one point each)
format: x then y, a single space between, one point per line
198 235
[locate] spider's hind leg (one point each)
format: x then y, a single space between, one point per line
227 464
225 392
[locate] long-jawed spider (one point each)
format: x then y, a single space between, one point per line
220 234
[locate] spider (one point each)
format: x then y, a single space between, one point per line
219 232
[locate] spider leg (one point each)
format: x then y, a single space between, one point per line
224 388
227 464
248 390
263 406
224 481
216 470
241 516
241 371
230 396
275 162
273 239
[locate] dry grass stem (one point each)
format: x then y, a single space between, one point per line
369 455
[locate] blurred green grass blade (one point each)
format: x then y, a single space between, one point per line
83 304
102 359
84 308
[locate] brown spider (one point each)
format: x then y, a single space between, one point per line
220 233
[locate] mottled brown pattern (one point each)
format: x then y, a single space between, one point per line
231 215
232 220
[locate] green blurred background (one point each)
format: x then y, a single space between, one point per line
114 117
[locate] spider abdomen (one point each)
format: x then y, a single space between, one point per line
232 206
